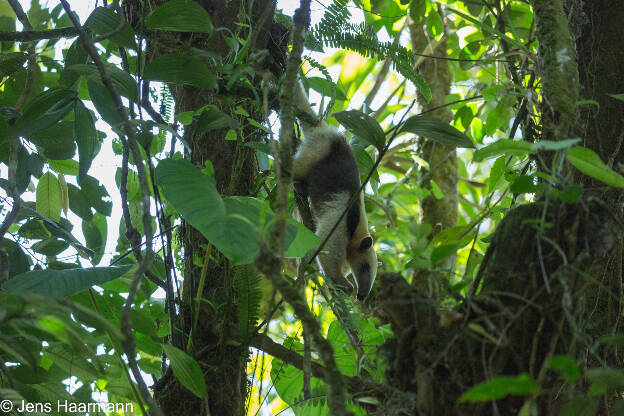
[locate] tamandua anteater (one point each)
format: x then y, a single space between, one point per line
325 169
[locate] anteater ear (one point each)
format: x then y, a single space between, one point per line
366 243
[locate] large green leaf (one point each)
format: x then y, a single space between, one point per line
192 193
96 194
11 62
42 111
588 162
48 196
180 16
122 81
86 137
186 370
79 203
61 283
180 69
103 102
503 147
436 130
104 20
57 141
499 387
363 126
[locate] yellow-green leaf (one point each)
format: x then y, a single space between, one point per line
588 162
49 197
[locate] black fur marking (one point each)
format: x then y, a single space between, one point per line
353 218
336 173
366 243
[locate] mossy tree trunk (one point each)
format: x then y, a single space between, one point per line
215 342
546 289
440 213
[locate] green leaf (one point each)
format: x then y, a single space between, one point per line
568 368
186 370
42 111
503 147
487 29
363 126
180 69
581 406
50 247
19 263
588 162
86 137
94 232
79 203
523 184
66 167
103 102
326 88
122 81
57 141
436 130
61 283
180 16
619 97
11 62
96 194
48 197
554 145
499 387
76 54
104 20
248 297
605 378
496 173
305 240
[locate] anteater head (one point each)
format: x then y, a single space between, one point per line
360 251
363 261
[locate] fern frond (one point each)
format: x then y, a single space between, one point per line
335 30
247 284
323 69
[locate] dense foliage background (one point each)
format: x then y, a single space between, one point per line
147 246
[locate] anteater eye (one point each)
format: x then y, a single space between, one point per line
366 243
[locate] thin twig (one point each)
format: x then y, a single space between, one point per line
129 342
270 261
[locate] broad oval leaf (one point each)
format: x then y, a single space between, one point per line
503 147
11 63
122 81
180 69
49 196
50 247
186 370
103 102
499 387
61 283
180 16
104 20
363 126
436 130
57 141
42 111
86 137
588 162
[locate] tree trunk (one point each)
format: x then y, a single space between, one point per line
215 342
547 289
440 213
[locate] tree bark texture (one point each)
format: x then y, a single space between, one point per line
440 213
215 344
551 279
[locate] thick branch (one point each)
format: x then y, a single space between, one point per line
34 35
